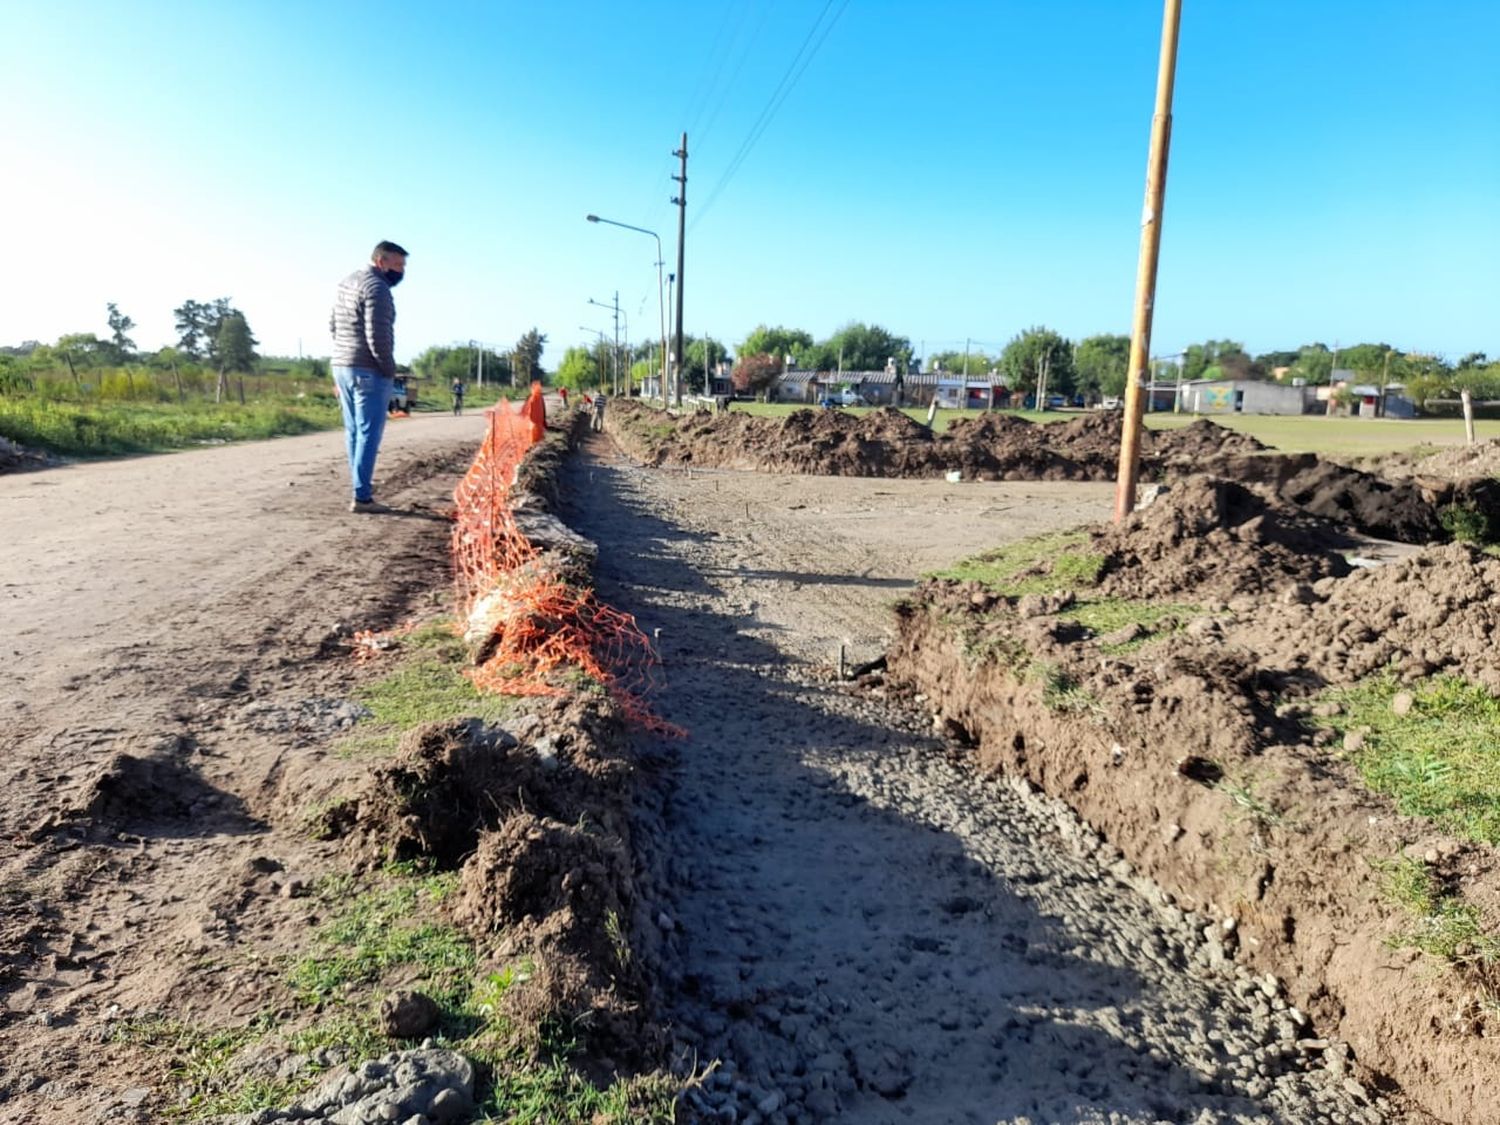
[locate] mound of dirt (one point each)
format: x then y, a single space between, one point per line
1456 463
536 820
447 784
1200 438
1190 755
1212 539
987 446
1434 612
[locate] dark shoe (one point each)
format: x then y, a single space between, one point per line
367 507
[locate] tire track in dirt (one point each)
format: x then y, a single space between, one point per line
857 925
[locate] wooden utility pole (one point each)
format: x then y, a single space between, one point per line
1145 278
681 200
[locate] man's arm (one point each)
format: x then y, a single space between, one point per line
380 328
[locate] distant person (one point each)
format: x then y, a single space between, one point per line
363 324
458 396
536 410
598 425
562 393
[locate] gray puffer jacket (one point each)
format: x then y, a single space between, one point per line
363 323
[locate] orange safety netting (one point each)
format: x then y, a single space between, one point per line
519 613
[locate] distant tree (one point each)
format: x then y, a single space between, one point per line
1314 364
1270 361
1483 382
755 373
578 370
1198 358
954 361
863 347
234 346
702 353
1473 359
1101 364
1023 358
192 320
528 357
85 349
119 326
778 342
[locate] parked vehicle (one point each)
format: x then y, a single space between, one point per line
845 397
403 396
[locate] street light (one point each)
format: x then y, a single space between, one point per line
601 334
661 308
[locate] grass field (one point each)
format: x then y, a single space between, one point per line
89 427
1348 437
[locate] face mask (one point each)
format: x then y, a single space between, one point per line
392 277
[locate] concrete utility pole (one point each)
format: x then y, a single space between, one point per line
1145 279
681 200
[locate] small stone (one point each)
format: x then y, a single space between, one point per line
1402 703
770 1103
1354 741
449 1105
135 1095
407 1015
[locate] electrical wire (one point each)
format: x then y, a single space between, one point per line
794 71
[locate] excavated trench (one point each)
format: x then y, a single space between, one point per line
853 919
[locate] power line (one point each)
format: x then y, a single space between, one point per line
794 71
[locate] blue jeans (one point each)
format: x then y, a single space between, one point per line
364 397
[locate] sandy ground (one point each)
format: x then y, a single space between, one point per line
192 612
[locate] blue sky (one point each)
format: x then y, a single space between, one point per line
947 170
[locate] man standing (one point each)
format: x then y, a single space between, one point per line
458 395
364 362
598 425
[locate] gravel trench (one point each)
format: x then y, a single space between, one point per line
856 925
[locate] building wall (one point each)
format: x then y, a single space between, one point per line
1243 396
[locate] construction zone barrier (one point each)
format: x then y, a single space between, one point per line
525 623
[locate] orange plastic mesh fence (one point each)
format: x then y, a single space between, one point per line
529 623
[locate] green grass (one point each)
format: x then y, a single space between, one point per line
1347 437
1447 928
1060 692
388 926
1440 760
1103 616
427 685
1038 565
111 428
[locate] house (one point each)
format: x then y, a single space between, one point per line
1242 396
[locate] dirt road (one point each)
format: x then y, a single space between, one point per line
170 628
862 929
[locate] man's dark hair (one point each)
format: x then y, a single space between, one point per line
387 248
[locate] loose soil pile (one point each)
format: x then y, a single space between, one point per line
1188 744
888 443
535 819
